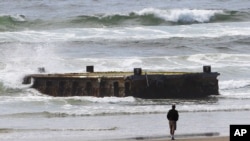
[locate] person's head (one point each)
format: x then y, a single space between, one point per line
173 106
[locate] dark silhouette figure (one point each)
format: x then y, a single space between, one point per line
173 117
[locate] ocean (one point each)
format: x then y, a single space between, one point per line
115 35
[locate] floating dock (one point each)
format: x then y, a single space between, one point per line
137 83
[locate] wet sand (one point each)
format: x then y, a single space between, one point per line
219 138
183 138
198 139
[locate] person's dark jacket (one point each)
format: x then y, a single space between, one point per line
173 115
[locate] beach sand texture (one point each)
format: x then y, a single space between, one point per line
198 139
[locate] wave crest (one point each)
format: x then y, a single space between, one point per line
145 17
8 22
152 16
234 84
182 15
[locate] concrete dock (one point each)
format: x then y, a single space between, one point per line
137 83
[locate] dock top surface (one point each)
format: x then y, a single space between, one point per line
105 74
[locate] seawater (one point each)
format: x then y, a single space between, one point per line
172 35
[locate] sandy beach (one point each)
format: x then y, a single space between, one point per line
208 139
199 139
218 138
181 138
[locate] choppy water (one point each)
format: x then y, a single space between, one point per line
171 35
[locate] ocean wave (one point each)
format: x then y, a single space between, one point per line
153 16
131 110
9 130
1 88
145 17
212 30
12 18
182 16
11 22
61 107
234 95
221 59
234 84
10 90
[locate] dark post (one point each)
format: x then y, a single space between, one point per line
89 68
207 69
41 70
137 71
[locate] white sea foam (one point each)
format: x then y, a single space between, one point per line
182 15
42 105
235 95
18 66
108 99
15 17
211 30
19 18
233 84
221 59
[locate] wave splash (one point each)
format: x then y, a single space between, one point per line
152 16
11 22
182 15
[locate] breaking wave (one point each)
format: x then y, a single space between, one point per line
11 22
147 16
152 16
8 130
127 110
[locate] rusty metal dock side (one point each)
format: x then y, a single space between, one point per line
120 84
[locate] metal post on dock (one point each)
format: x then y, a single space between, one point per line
207 69
89 68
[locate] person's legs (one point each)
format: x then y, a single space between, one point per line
172 127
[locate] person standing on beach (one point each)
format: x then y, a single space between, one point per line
173 117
